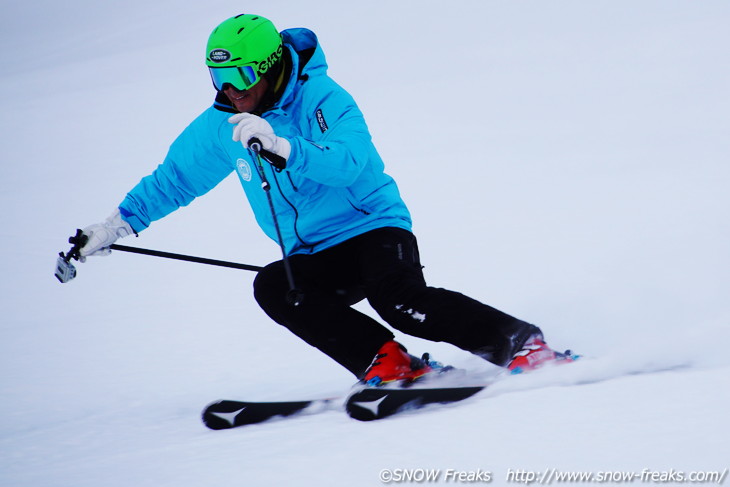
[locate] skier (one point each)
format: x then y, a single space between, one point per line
343 227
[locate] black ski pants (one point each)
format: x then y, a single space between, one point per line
382 266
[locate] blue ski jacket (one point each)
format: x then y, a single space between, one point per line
333 188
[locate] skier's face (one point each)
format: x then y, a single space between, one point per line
248 100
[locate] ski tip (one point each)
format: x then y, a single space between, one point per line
227 414
364 404
219 415
377 403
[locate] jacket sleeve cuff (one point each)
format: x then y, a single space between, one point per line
133 221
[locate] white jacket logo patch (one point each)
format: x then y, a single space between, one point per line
244 170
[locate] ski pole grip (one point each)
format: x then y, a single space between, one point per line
254 144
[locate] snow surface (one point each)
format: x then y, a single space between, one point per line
565 161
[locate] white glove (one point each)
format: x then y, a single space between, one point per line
250 126
102 235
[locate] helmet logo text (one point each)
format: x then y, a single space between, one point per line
267 63
219 55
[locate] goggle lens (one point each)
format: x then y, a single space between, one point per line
240 77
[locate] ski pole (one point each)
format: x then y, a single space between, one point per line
294 296
187 258
65 270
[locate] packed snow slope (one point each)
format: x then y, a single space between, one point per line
564 161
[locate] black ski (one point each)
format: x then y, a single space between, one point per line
230 414
376 403
364 404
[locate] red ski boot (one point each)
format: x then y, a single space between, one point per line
535 353
393 363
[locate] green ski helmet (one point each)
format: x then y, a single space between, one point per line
241 50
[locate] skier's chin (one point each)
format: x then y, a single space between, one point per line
248 100
244 105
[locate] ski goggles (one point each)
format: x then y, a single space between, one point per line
240 77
